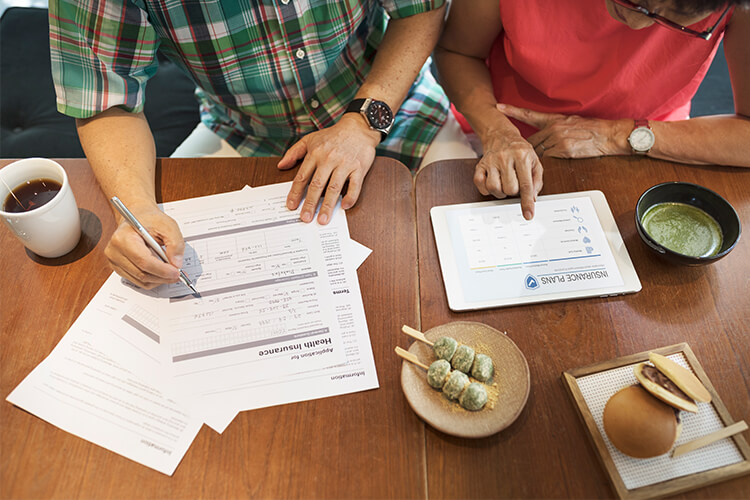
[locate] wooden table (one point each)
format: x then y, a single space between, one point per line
371 445
367 444
546 453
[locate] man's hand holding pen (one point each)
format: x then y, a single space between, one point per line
132 258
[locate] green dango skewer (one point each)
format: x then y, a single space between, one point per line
461 357
454 384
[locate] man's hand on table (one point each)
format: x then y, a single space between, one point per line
132 259
509 167
330 157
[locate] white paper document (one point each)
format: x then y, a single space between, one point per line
83 390
342 256
264 307
278 319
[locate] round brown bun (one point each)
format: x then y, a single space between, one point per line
682 377
640 425
662 387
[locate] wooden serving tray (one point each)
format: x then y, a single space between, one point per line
676 471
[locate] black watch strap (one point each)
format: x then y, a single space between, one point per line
355 106
362 106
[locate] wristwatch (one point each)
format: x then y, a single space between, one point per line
641 138
377 114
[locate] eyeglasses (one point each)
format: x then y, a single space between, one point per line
705 35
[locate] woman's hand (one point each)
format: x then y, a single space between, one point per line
333 156
509 167
132 259
571 136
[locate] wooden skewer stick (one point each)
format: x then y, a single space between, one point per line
709 438
410 357
411 332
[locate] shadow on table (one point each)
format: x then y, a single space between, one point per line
91 233
655 272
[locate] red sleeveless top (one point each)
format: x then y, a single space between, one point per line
572 57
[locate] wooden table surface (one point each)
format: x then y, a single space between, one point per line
546 452
368 444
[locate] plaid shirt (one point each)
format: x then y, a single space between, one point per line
267 71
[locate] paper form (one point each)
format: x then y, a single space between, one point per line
83 389
126 336
263 309
501 255
342 256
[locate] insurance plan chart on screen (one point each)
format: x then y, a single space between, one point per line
500 255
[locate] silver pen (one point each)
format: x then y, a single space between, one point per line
150 241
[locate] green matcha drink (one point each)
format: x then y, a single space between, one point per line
683 229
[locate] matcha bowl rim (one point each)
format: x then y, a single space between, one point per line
698 196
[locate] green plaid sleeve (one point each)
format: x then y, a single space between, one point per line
404 8
102 53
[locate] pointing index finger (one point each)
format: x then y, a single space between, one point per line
536 119
526 187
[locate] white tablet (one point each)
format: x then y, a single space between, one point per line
491 256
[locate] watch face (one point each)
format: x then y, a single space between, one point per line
641 139
379 115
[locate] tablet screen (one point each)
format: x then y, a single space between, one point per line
490 256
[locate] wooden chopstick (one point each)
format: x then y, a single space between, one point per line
709 438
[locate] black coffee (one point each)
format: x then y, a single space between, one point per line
31 194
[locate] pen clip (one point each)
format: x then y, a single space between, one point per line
126 213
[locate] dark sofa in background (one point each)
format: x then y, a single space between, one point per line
29 122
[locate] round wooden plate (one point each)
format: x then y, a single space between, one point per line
508 389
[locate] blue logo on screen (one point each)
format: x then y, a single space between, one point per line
531 282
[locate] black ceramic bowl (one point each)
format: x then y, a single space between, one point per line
698 196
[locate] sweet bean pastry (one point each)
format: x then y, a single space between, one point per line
638 424
437 373
671 383
643 420
660 386
483 368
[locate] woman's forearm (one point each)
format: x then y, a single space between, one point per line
467 83
706 140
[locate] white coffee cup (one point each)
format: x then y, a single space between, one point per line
53 229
